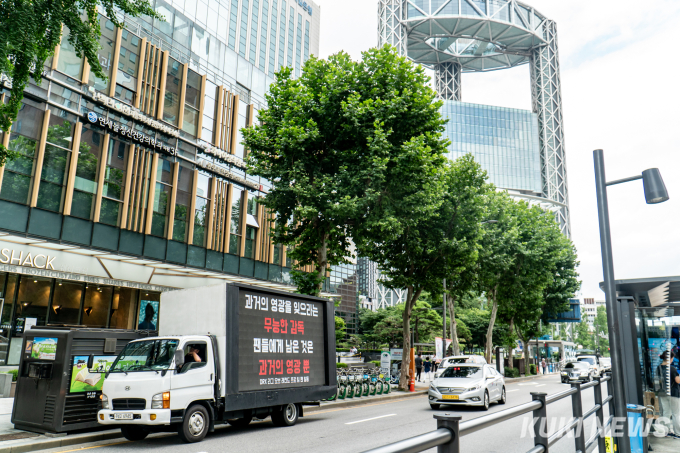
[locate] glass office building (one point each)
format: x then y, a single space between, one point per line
134 185
504 141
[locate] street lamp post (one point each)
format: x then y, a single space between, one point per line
655 192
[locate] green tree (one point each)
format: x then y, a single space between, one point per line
583 335
437 236
30 30
601 330
333 141
340 329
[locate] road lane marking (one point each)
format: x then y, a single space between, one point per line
540 385
369 419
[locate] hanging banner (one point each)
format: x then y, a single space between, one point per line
438 346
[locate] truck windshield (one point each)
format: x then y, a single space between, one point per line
151 355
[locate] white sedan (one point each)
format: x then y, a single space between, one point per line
457 359
467 384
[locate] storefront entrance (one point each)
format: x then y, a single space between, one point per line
26 301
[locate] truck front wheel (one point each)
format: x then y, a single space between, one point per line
286 416
195 425
134 432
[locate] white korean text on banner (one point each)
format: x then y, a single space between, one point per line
281 342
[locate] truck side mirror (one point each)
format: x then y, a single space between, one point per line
90 362
179 360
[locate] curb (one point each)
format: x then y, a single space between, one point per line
45 444
362 401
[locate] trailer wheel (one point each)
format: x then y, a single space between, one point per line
134 433
286 416
195 425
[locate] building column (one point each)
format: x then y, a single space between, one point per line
390 29
546 96
447 81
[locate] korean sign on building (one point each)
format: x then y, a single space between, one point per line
281 342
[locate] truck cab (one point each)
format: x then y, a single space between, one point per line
153 381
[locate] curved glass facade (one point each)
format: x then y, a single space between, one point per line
504 141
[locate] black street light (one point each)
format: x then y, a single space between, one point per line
655 192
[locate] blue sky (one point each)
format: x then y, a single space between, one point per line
620 93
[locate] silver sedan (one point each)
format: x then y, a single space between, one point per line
467 384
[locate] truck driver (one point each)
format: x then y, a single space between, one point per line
193 355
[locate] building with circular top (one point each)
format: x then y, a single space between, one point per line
523 151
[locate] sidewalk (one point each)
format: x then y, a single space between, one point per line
18 441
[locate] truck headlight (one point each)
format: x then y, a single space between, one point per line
564 373
476 387
161 401
105 401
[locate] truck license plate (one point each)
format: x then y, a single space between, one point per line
450 397
122 416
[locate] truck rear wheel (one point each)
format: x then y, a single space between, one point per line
134 432
286 416
195 425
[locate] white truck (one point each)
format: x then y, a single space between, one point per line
225 354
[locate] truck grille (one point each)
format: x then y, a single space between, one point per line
121 404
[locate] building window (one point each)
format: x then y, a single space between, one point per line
162 196
272 39
173 85
233 18
253 30
128 67
263 34
209 107
114 182
107 41
278 254
242 122
201 210
243 35
85 186
249 251
23 139
124 308
96 305
69 63
66 302
291 35
306 55
298 47
282 36
192 103
56 160
235 228
184 184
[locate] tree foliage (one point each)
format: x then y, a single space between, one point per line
333 141
30 30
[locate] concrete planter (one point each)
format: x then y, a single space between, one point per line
13 390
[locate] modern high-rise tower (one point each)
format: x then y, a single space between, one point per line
522 151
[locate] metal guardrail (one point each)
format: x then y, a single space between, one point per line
450 429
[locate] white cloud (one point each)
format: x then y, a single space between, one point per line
620 93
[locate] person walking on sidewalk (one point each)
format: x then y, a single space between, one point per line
544 364
427 366
669 397
419 367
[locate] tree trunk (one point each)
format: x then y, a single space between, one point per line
489 332
453 328
411 298
322 263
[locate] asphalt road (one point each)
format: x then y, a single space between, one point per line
364 427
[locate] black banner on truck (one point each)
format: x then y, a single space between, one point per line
281 342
